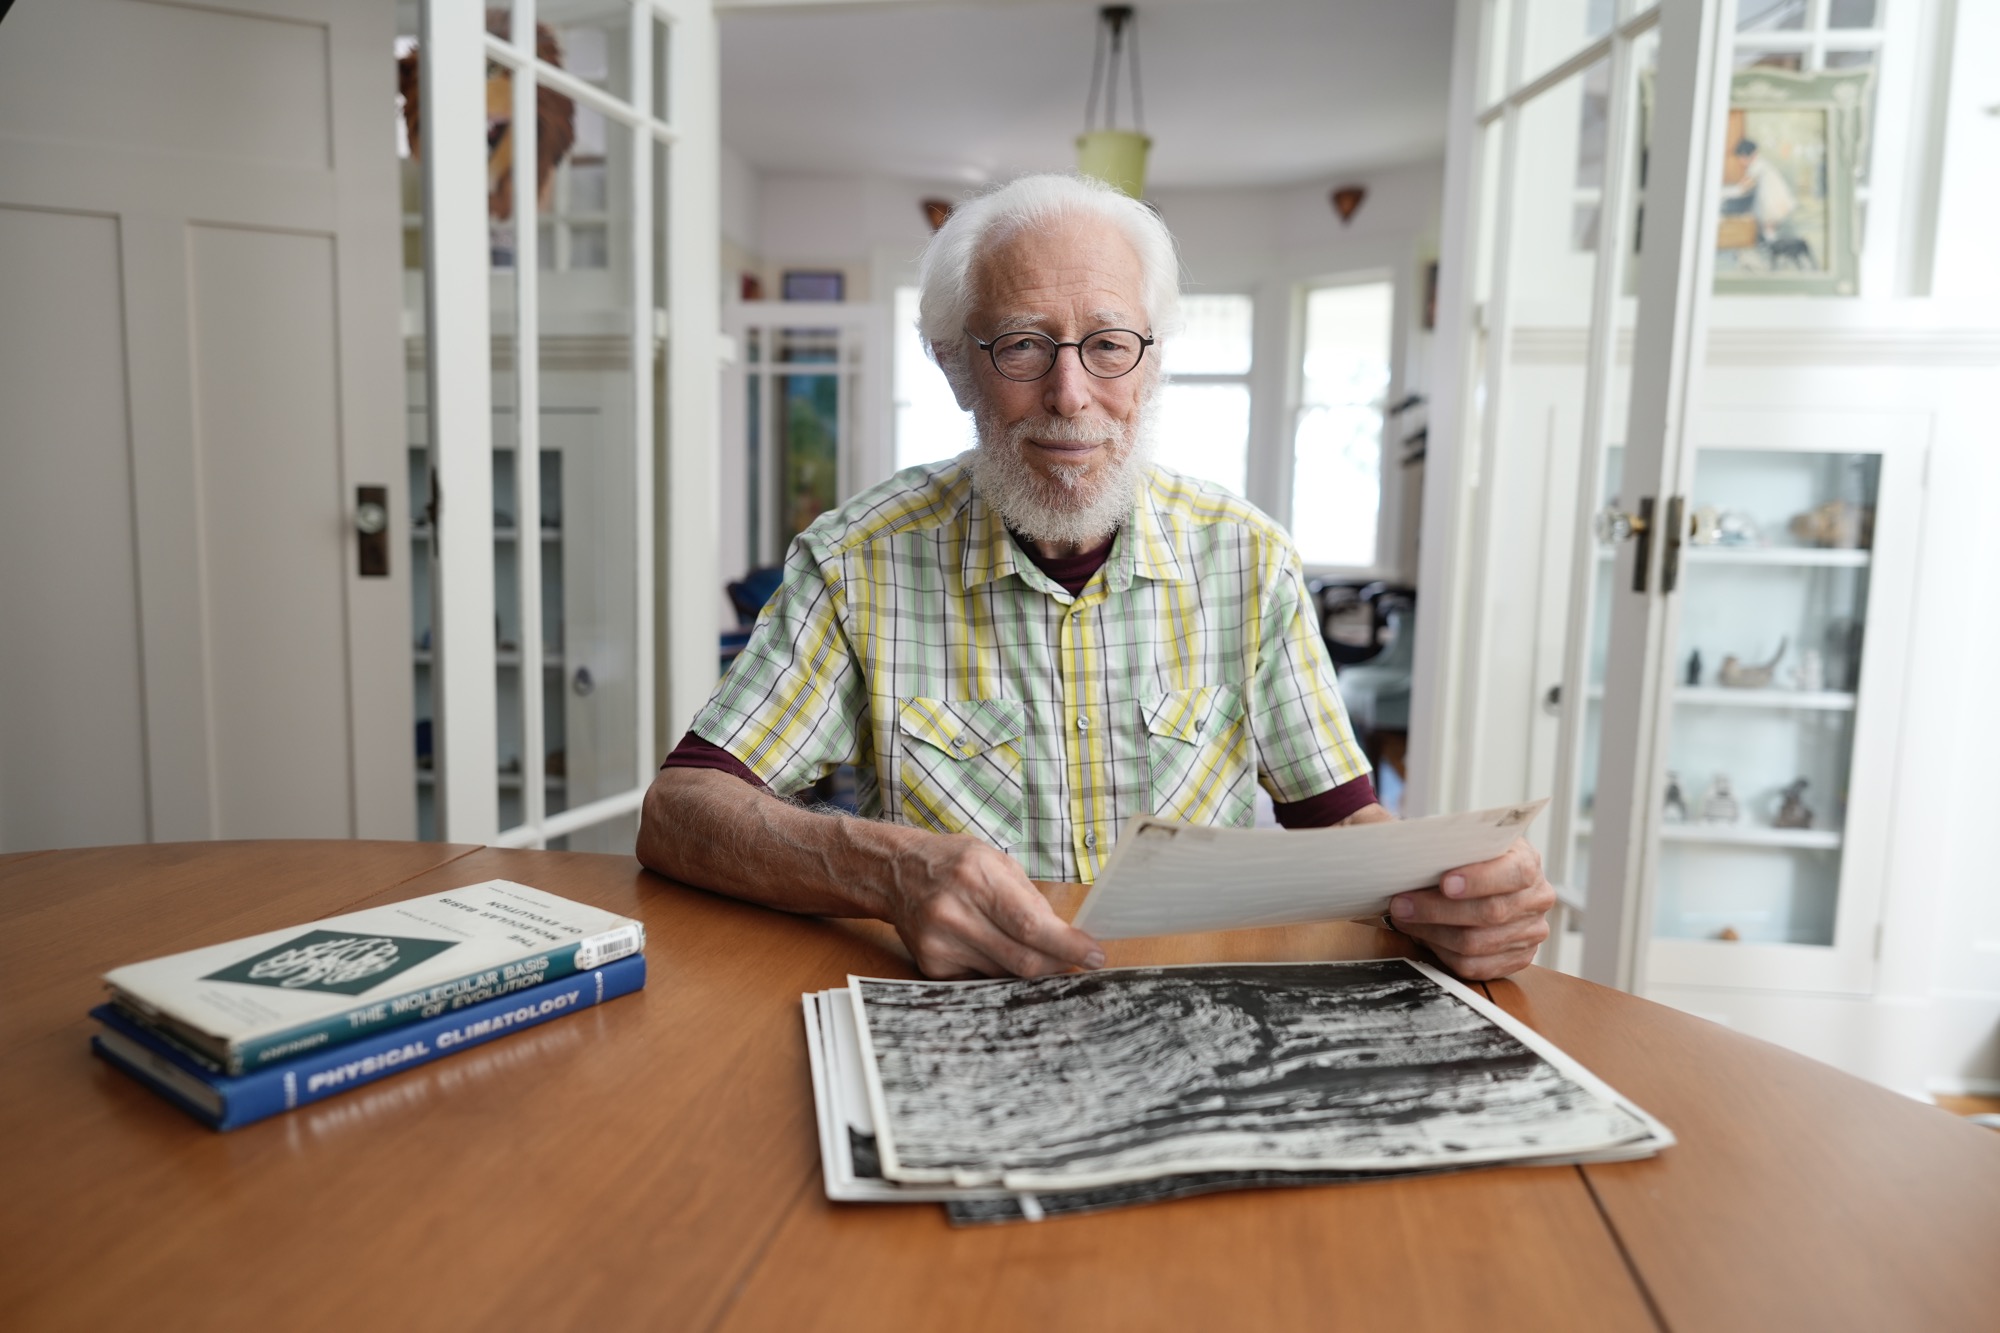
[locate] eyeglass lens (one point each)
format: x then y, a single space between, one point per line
1108 353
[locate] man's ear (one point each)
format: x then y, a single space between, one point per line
951 359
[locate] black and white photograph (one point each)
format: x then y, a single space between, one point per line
1134 1073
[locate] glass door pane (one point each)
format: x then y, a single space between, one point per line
1774 588
1606 222
589 459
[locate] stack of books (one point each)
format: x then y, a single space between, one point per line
236 1032
1017 1100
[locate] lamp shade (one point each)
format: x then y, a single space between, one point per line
1116 157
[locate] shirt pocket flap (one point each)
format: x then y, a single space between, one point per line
963 728
1188 715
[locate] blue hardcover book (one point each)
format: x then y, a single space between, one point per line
224 1101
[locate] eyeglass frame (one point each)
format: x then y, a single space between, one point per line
987 346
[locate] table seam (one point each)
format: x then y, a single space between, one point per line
1631 1264
756 1259
351 904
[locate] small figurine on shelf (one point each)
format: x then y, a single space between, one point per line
1793 812
1728 934
1839 524
1736 528
1705 526
1674 809
1809 676
1694 667
1740 677
1719 805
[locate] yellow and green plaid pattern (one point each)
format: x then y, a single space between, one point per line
911 637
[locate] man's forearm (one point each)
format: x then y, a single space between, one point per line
718 832
1372 813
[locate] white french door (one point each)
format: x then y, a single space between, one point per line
571 378
1581 189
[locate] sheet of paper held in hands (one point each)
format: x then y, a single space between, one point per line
1165 878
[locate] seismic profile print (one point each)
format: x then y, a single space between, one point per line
1134 1073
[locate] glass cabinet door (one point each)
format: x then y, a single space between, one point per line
1790 554
1786 649
1775 589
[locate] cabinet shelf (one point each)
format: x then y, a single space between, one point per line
1795 557
1741 835
1722 696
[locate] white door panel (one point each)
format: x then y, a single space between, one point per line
242 170
72 728
267 445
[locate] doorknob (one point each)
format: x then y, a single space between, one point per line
1614 525
371 530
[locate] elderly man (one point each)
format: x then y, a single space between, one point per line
1025 645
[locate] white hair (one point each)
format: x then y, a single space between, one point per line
947 272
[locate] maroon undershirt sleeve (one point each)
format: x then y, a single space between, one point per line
1327 808
694 752
1072 572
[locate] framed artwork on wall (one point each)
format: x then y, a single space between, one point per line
814 285
1788 223
1793 148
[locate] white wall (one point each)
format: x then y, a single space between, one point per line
1266 242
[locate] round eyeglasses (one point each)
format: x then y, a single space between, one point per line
1024 355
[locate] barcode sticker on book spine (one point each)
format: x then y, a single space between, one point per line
609 947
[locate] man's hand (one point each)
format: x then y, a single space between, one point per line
965 909
1484 921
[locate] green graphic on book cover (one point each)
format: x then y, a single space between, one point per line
337 962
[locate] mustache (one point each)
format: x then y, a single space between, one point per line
1064 430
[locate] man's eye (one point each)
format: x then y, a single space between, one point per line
1105 342
1022 343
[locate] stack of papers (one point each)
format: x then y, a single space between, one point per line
1018 1099
1162 876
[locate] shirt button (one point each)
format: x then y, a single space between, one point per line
1083 724
958 743
1090 839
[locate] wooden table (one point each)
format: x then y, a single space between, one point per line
652 1163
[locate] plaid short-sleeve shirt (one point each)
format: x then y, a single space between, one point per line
912 638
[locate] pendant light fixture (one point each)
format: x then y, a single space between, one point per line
1112 155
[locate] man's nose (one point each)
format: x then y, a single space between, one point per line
1067 390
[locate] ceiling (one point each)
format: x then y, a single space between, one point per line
1237 93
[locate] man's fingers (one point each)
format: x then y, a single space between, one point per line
1485 967
1429 907
1519 867
997 929
1014 957
1027 918
1457 944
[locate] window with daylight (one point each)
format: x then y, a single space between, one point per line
1204 416
929 425
1337 438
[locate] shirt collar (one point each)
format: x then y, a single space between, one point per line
1148 545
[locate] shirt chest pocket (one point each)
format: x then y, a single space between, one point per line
1198 762
960 770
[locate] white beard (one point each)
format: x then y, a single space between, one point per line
1071 504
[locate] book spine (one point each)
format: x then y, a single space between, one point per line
446 997
248 1098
